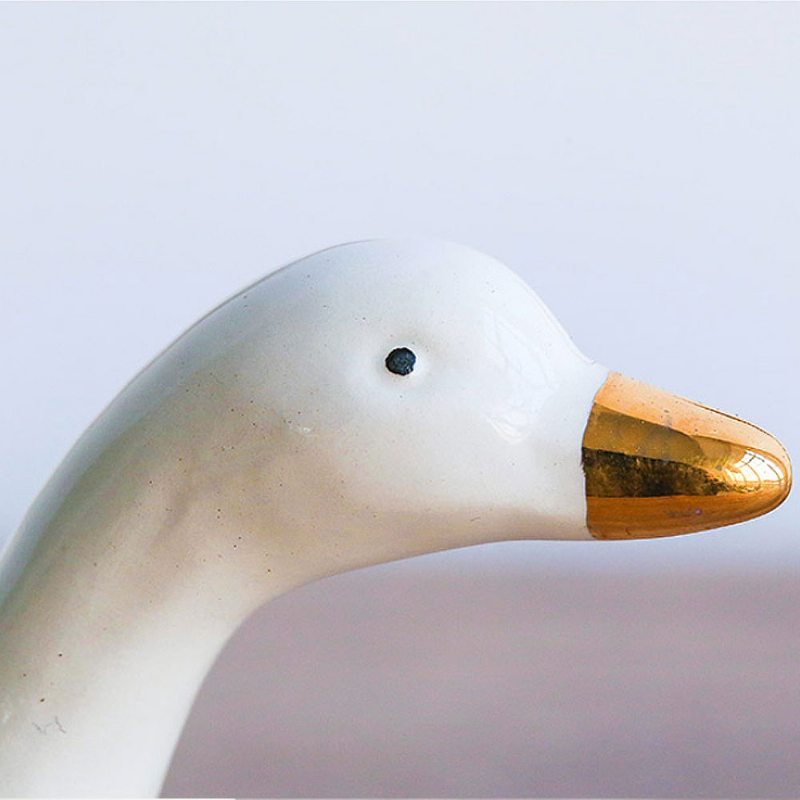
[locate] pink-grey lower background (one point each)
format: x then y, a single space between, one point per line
424 680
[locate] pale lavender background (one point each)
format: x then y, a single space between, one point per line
638 164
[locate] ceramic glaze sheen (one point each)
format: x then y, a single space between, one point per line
267 447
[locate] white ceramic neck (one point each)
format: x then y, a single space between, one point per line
120 702
118 613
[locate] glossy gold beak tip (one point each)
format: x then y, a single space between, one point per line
659 465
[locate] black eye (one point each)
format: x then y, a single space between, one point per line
400 361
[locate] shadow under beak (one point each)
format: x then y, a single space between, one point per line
659 465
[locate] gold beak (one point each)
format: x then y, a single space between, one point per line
659 465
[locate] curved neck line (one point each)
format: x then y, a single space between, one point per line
121 605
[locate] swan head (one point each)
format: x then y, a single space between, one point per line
389 398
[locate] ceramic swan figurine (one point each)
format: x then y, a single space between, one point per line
371 402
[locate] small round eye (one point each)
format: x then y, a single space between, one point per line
401 361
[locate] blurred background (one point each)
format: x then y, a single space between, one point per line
637 163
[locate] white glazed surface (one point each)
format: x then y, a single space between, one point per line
270 446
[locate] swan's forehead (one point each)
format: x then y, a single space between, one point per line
437 294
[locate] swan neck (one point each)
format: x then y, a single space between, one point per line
120 593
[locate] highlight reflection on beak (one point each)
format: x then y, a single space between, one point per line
659 465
